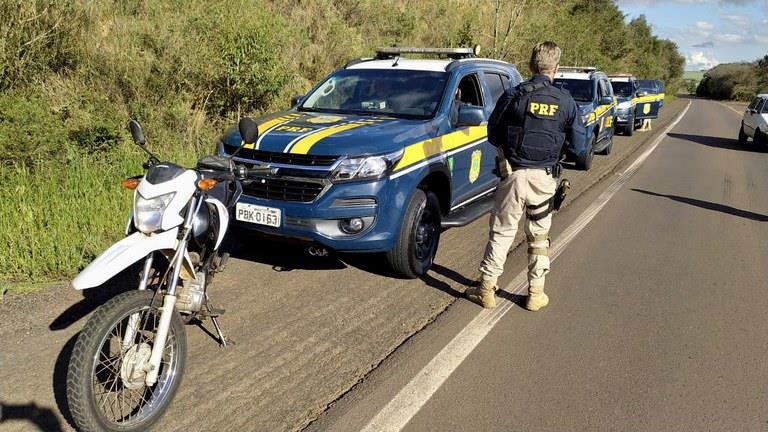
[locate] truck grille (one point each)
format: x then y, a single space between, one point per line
283 158
283 189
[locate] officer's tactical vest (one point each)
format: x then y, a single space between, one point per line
528 125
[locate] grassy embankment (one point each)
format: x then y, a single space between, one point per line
73 73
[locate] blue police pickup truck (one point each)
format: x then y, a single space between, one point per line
593 94
380 156
636 103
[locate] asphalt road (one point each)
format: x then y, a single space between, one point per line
323 344
657 318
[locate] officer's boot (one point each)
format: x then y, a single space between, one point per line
536 298
484 295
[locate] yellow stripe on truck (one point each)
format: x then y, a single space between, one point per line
267 125
305 144
597 113
422 150
648 98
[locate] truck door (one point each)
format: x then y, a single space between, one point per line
647 104
604 89
471 166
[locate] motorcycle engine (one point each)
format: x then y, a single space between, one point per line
191 295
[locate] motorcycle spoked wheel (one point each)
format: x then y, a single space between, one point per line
105 382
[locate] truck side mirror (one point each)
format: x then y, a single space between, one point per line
249 132
296 99
642 93
606 100
470 116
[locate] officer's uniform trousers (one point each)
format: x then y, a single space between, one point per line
524 188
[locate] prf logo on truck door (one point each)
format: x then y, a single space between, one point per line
474 167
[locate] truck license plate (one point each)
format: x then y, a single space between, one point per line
258 214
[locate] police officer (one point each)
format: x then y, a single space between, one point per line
530 124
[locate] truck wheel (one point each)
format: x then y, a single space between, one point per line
416 245
607 150
629 129
584 162
742 136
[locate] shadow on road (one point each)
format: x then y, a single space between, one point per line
718 142
517 299
710 206
44 418
281 255
60 369
288 255
95 297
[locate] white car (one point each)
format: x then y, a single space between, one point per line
755 122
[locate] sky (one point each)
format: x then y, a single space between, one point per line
707 32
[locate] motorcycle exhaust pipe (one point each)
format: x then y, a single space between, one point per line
318 251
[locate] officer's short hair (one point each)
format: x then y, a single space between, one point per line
545 56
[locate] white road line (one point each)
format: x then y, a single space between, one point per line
411 398
731 108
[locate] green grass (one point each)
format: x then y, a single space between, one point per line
694 75
58 217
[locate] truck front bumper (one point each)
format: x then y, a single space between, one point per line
331 219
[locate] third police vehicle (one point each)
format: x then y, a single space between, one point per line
635 103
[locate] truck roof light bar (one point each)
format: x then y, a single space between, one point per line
585 69
453 53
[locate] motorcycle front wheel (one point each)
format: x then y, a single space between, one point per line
105 381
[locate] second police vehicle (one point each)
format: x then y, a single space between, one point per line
380 156
592 91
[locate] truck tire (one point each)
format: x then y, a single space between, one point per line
607 150
584 162
416 245
629 129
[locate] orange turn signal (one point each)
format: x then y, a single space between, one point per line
206 184
130 183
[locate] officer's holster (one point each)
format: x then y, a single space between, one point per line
503 168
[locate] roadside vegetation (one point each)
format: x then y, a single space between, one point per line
73 73
735 81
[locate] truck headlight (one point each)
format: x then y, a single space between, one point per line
148 212
624 105
363 168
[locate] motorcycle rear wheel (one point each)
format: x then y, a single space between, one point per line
105 386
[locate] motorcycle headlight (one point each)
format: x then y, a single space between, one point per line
148 212
364 168
624 105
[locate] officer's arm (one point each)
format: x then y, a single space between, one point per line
495 129
575 131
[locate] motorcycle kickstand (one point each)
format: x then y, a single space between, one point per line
215 319
222 339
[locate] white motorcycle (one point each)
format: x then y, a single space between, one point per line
129 358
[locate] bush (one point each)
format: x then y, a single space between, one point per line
30 132
38 37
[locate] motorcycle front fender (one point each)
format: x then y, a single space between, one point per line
125 253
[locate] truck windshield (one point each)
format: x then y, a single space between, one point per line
622 88
649 86
397 93
580 90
